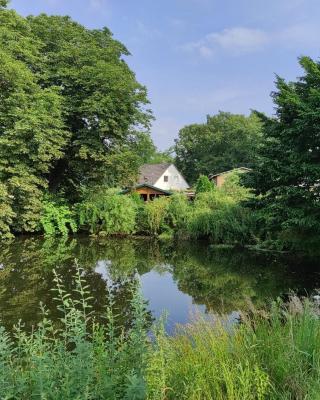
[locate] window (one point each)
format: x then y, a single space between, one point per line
166 178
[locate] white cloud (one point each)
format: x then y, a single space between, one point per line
234 40
240 40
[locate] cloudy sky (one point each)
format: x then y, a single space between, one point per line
197 57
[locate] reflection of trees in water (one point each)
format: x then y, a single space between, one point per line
227 280
222 280
26 277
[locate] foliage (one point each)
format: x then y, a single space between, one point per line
104 105
81 358
234 189
178 213
272 357
57 219
273 354
32 133
228 224
71 112
288 173
203 184
108 211
6 212
224 142
154 214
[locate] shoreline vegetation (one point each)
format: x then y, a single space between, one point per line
70 133
271 354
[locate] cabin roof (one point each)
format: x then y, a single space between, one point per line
147 185
240 169
150 173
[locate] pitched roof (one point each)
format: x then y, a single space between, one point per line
150 173
240 169
147 185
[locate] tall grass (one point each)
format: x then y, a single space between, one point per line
79 359
271 355
274 356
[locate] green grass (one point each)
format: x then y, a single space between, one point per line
269 356
272 354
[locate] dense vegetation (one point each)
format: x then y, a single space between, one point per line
271 355
287 177
224 142
72 115
74 125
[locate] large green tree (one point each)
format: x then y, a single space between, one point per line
32 133
71 113
288 174
104 105
224 142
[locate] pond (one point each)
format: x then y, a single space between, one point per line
179 278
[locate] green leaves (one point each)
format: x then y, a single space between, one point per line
226 141
288 172
65 91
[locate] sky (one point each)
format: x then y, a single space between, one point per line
197 57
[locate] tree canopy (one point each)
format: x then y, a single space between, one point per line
288 173
71 112
224 142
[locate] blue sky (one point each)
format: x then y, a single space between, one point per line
197 57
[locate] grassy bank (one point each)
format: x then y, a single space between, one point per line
273 354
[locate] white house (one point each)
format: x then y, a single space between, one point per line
163 176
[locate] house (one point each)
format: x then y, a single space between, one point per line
218 179
159 180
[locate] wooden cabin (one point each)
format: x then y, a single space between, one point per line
219 179
148 192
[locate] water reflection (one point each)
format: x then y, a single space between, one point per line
176 277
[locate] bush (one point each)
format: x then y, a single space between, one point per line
154 214
203 184
271 355
178 213
274 357
80 360
228 224
57 219
219 216
108 211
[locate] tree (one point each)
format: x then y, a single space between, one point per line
71 112
224 142
104 105
32 134
288 173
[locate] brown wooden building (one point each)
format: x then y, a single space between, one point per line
218 179
148 192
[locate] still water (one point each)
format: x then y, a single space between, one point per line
176 278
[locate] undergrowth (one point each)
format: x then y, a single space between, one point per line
270 355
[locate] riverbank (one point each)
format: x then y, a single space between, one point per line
272 354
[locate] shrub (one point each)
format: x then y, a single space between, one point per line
81 359
178 212
203 184
232 188
57 219
154 213
228 224
108 211
272 356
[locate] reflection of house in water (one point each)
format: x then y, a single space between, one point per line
157 180
218 179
